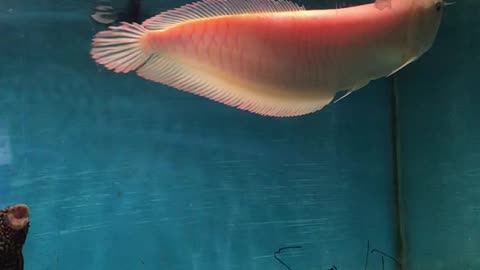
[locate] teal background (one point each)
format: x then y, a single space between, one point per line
440 140
123 173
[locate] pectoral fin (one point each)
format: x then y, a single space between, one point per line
411 60
355 88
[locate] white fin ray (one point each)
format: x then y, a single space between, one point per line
181 76
119 47
214 8
347 93
355 88
411 60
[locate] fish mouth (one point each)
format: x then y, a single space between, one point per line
18 216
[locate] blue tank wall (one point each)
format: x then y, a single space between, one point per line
122 173
440 141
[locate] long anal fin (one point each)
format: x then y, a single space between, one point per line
183 76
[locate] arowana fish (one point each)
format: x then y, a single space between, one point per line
273 58
14 225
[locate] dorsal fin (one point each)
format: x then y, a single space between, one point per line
215 8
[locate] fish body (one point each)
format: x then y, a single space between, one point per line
14 225
270 57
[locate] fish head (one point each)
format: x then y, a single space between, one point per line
426 18
14 225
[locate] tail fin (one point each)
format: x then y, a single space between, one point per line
119 48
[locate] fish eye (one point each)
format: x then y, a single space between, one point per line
438 6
